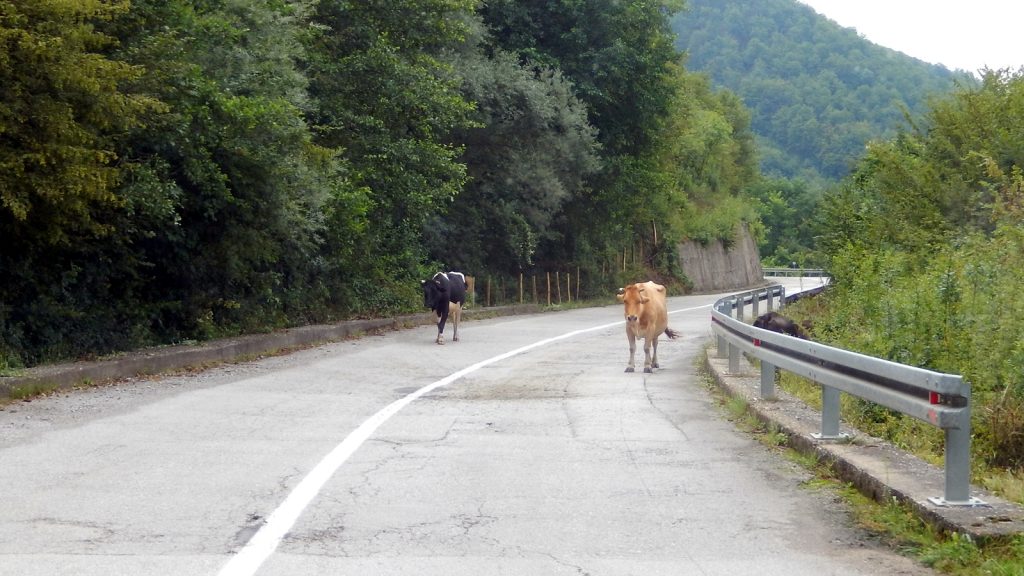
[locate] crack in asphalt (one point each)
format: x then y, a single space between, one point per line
650 400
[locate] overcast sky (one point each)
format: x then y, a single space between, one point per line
964 34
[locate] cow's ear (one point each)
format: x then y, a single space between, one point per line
644 300
423 282
621 294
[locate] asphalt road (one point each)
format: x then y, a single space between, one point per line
524 449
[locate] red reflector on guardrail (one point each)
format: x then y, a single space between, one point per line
757 342
933 397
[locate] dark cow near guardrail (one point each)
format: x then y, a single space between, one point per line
778 323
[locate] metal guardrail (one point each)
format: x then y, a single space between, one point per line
942 400
790 272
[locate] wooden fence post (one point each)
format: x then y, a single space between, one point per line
577 283
549 288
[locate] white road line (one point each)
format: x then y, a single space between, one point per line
249 559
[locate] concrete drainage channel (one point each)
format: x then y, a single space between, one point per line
175 358
877 468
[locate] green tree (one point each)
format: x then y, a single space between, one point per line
615 53
387 100
229 189
62 100
215 221
707 151
528 154
788 210
63 104
620 58
937 179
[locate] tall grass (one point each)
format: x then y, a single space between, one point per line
960 310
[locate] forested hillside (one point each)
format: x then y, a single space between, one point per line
817 91
179 169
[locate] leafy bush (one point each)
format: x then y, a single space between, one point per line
924 244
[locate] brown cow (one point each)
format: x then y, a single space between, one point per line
647 318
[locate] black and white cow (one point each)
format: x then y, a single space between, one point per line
446 294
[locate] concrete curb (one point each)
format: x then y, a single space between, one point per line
174 358
878 469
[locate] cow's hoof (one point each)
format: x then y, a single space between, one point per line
649 370
629 369
455 339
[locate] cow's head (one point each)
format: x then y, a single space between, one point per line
431 290
435 290
764 320
634 299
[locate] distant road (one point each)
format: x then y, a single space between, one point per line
522 450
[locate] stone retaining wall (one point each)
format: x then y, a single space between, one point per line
715 266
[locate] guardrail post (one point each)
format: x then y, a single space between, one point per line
734 351
755 302
829 414
958 464
723 343
768 374
734 359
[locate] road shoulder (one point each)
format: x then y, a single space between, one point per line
877 468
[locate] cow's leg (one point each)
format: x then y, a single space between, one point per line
443 313
632 349
650 360
456 312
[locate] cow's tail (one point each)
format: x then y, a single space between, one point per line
671 333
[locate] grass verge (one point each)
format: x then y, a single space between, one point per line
893 523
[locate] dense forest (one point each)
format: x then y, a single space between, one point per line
176 170
818 91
